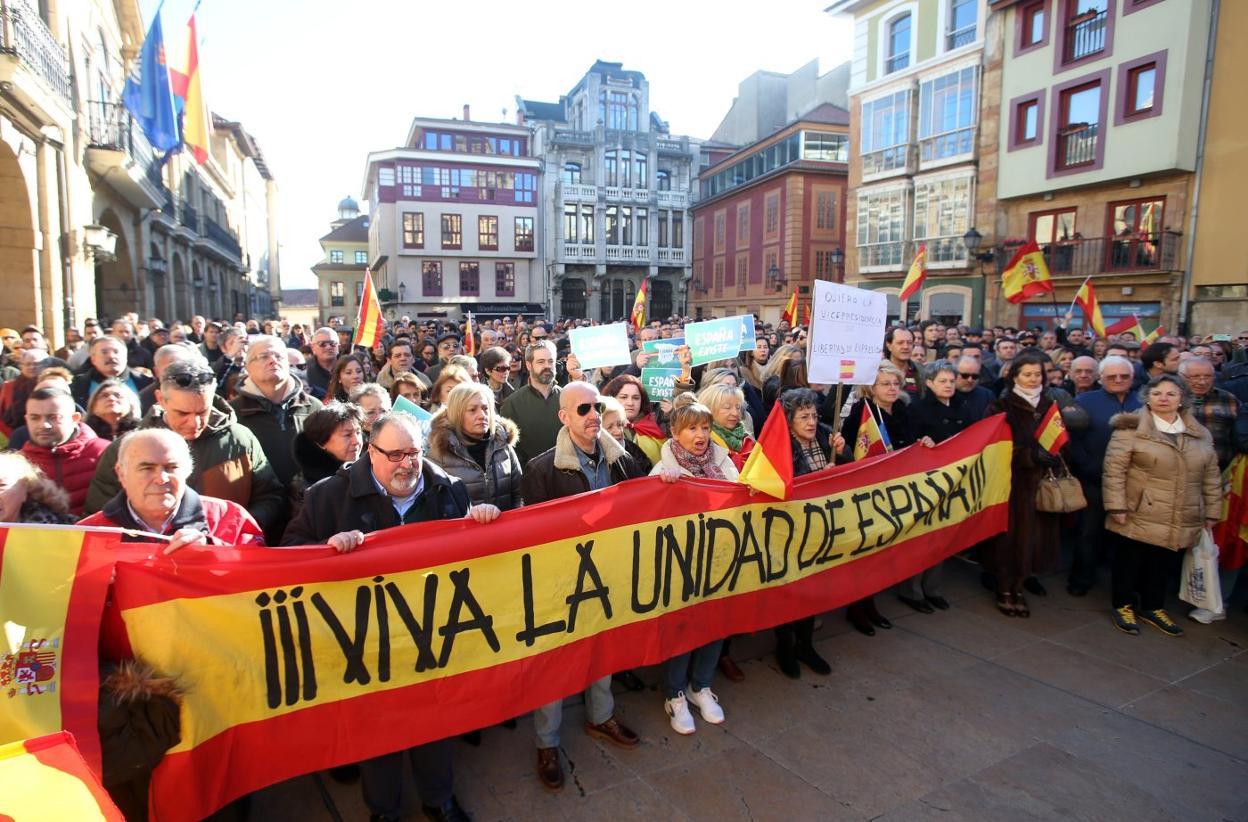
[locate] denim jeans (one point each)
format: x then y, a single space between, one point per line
679 674
599 707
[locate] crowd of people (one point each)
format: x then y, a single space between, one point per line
272 434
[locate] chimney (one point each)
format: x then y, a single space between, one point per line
466 117
519 116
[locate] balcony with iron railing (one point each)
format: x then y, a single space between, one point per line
1085 35
949 146
222 237
110 126
897 62
962 37
189 217
888 256
28 40
571 137
1132 252
1076 145
894 159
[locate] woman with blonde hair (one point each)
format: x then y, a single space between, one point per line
468 440
113 409
26 495
691 453
731 427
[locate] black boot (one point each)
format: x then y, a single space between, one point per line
858 618
804 647
784 652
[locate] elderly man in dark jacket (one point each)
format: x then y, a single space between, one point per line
1212 407
392 486
272 404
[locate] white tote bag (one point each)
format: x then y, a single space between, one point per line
1199 583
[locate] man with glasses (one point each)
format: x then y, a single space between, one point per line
392 486
273 404
228 460
534 408
108 360
448 345
321 366
1087 451
971 396
584 458
60 444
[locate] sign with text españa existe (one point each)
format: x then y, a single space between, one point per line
297 660
846 334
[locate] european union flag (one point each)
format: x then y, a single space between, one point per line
149 97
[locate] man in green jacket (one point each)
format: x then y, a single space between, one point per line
229 462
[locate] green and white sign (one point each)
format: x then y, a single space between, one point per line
601 345
660 383
720 339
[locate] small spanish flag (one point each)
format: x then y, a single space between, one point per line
638 316
368 323
916 275
1051 433
806 315
46 778
789 314
1127 325
872 439
470 345
769 468
1149 339
1027 274
847 370
1086 297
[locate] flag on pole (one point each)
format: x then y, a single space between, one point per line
638 317
46 778
806 315
916 275
368 322
872 439
1129 324
1051 433
184 75
769 468
1086 297
1027 274
470 345
1149 339
789 314
149 96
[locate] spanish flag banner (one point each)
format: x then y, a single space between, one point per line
470 342
1086 297
1027 274
1051 433
872 439
53 582
368 322
46 778
638 317
789 314
1156 334
769 467
916 275
1127 325
1231 533
298 660
189 95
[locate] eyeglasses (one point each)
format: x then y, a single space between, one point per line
585 407
1115 376
190 380
398 456
268 355
327 344
968 376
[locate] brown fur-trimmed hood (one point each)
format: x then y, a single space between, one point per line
134 680
443 439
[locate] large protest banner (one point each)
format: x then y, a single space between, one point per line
298 660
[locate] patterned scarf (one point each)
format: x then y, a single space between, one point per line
699 466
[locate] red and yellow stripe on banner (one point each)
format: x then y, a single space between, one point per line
46 778
52 587
292 662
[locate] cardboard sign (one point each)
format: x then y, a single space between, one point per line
601 345
666 350
718 339
660 383
846 334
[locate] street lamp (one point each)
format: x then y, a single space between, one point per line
774 279
402 292
972 240
838 262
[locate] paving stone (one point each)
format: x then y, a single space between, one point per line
1220 724
1099 680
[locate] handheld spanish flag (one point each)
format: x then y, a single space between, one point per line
916 275
46 778
1127 325
1149 339
769 467
806 315
184 77
368 323
1086 297
1051 433
789 314
638 317
872 438
470 345
1027 274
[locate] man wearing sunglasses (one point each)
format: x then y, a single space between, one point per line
391 485
584 458
229 463
972 397
321 366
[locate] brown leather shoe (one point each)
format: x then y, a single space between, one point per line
612 731
549 771
730 670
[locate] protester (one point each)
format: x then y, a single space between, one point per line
972 396
113 409
899 350
728 429
324 358
1162 487
496 365
615 423
393 486
330 437
447 345
348 373
409 387
373 401
1212 407
28 496
534 407
399 359
273 404
64 448
642 426
468 440
583 458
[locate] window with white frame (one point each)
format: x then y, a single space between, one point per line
898 56
962 14
947 114
885 132
882 227
942 215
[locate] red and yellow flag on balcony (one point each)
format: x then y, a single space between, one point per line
1027 274
184 77
916 275
368 322
46 778
1086 297
638 317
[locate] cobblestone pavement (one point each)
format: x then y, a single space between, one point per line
963 714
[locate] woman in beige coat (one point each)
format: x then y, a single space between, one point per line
1161 486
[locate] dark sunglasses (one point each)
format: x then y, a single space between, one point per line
585 407
190 380
968 376
499 369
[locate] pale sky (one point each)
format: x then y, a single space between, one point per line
321 84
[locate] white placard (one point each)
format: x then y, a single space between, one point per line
846 334
600 345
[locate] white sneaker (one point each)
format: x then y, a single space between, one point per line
1204 616
708 705
678 709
